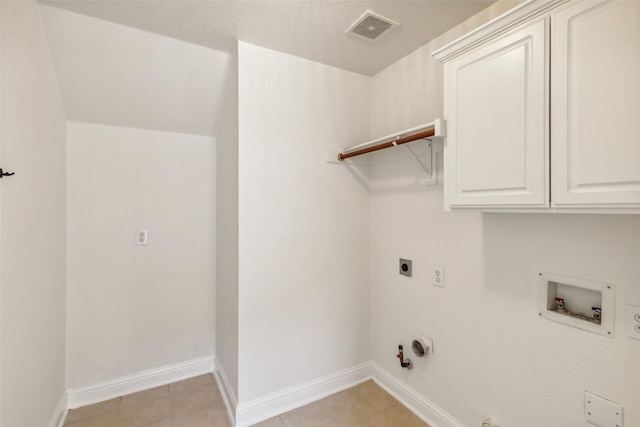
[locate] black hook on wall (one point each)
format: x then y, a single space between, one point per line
3 173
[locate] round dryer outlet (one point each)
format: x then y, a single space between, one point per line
421 346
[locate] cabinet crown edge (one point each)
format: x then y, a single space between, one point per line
521 14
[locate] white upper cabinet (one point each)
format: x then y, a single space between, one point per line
496 103
595 105
543 110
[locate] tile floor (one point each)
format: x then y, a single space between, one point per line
189 403
196 402
365 405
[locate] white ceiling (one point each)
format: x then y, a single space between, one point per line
160 64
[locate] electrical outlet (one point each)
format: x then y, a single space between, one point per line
633 321
142 237
438 276
405 267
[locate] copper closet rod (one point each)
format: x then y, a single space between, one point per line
398 141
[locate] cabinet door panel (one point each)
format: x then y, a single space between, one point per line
595 126
496 152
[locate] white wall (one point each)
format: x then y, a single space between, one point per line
33 223
303 223
133 308
493 354
227 232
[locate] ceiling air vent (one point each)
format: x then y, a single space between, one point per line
371 26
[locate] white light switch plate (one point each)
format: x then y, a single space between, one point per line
602 412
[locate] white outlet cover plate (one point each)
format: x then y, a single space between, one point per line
142 237
438 276
633 325
602 412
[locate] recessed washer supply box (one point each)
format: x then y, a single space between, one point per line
581 303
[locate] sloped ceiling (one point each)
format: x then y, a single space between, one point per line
161 64
117 75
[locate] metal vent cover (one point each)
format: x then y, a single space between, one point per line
371 26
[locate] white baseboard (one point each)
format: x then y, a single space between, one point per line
428 411
139 381
226 390
59 415
254 411
263 408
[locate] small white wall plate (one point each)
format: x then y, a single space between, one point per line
602 412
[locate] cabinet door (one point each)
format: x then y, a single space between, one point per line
595 122
496 100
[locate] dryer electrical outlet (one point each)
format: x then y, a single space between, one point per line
405 267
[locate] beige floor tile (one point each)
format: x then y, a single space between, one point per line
349 407
104 420
149 412
375 395
93 410
198 381
404 417
167 422
316 414
194 399
211 417
367 385
144 396
271 422
338 402
344 394
378 420
372 422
